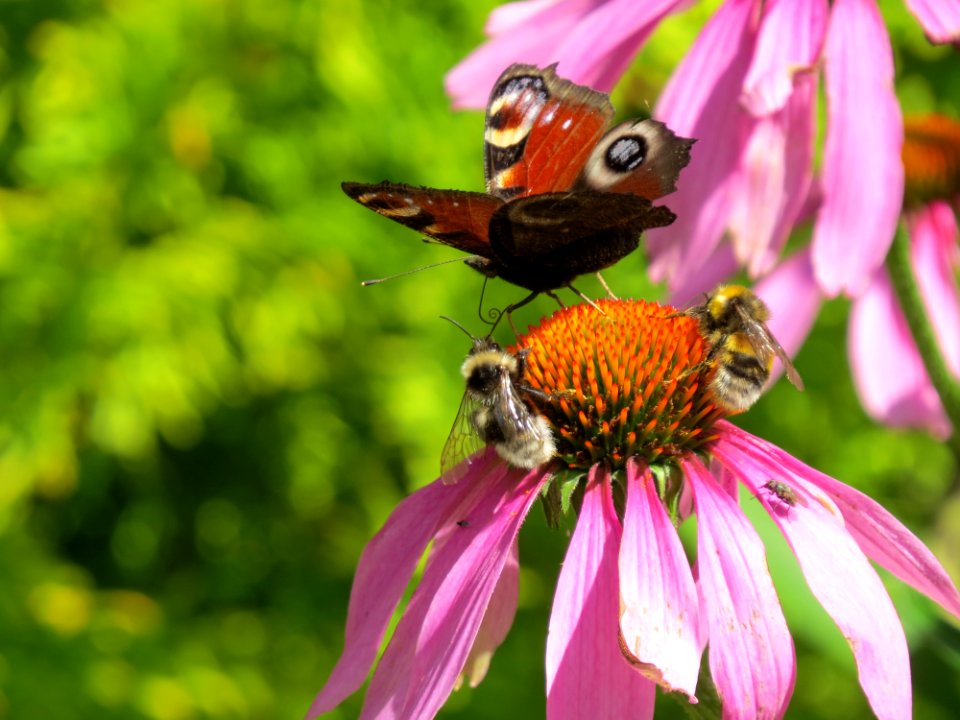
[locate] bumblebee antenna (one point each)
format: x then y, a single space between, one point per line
367 283
455 323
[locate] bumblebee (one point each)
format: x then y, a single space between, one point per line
493 412
741 347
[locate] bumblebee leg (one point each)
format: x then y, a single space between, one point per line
545 396
707 361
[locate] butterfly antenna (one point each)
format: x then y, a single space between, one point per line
508 311
367 283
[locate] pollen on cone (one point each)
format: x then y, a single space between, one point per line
626 383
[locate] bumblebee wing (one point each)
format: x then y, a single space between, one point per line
462 442
511 413
765 345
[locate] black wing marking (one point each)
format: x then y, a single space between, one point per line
540 226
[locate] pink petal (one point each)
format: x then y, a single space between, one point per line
840 577
592 42
521 15
433 639
888 372
933 249
940 19
601 46
880 535
862 170
496 621
383 572
470 81
700 101
774 179
751 651
720 266
587 676
790 40
794 299
659 617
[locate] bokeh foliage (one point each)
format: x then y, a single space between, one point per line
203 417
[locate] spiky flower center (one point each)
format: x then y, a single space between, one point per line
626 383
931 158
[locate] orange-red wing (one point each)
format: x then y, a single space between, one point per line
540 131
453 217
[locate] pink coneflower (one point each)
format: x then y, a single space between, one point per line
891 376
748 91
642 447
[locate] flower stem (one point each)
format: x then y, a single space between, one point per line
908 293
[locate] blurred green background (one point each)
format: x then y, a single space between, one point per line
203 417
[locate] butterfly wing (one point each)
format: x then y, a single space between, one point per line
553 227
766 345
453 217
642 157
539 131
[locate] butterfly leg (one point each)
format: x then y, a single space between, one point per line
587 300
552 294
606 287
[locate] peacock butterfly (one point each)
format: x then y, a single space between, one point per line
563 197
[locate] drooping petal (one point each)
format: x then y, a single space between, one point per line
751 652
794 299
532 41
841 578
587 676
601 46
774 178
880 535
862 170
791 37
940 19
721 266
593 42
520 15
383 572
433 639
888 372
496 621
659 615
934 252
700 101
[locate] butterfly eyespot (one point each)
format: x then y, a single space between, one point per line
627 153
